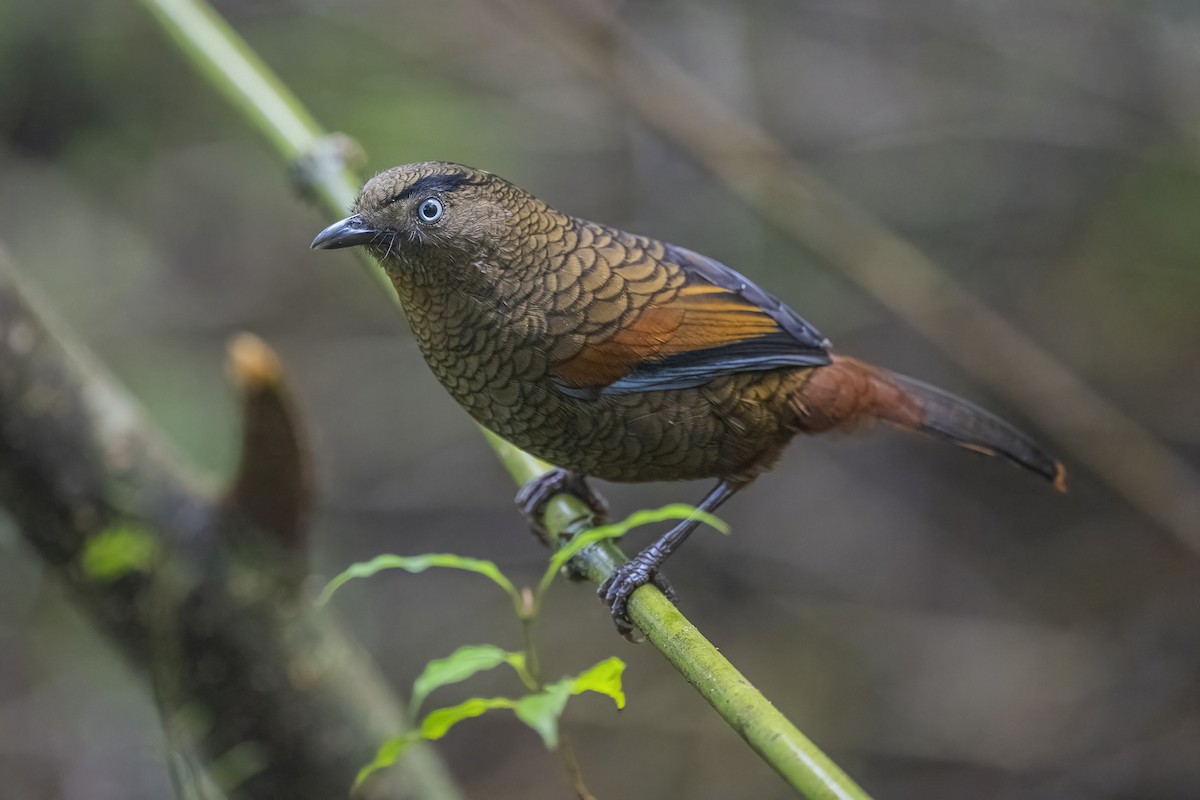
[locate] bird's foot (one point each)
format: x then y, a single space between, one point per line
534 495
625 580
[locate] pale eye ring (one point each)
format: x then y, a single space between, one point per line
430 210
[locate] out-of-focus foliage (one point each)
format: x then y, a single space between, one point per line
117 551
943 625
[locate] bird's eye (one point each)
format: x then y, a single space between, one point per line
430 209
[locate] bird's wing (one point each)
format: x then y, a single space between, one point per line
706 320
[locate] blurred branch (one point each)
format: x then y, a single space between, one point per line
226 61
758 168
232 68
199 590
272 487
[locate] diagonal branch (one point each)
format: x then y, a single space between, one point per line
196 589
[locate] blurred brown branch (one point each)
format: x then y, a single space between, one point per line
203 594
759 169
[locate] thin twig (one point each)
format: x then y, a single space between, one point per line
533 674
566 752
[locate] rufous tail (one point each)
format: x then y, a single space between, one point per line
849 393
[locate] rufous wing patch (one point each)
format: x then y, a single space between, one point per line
699 317
598 364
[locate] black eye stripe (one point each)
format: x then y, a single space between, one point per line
430 184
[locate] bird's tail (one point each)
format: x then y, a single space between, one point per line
849 393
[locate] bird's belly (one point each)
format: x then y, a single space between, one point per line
682 434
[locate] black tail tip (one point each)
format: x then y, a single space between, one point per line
1049 468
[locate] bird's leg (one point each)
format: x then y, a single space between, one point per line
534 495
643 568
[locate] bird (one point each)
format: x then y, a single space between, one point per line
620 357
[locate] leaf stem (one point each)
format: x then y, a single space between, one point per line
533 671
533 666
566 752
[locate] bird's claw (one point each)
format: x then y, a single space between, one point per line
533 496
620 586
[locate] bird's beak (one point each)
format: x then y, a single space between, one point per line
347 233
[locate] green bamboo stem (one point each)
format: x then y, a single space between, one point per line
231 67
772 735
225 60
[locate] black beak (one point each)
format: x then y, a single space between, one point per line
349 232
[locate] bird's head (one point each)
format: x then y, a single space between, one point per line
433 214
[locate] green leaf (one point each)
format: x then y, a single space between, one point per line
437 723
541 711
416 564
118 550
618 529
387 755
460 665
604 678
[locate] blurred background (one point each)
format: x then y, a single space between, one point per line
943 625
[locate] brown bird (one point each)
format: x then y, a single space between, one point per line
621 357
